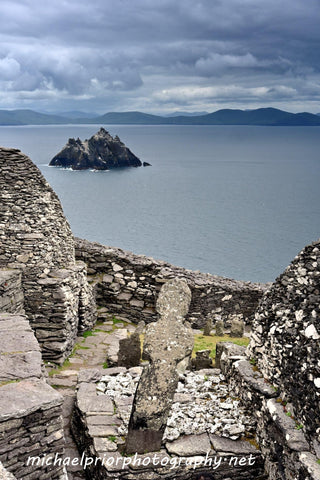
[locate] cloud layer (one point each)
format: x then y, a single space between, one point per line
159 56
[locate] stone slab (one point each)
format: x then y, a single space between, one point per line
226 445
20 366
22 398
91 403
190 445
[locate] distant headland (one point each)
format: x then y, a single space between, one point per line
260 116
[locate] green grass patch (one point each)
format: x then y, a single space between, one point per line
105 365
98 330
88 333
203 342
115 321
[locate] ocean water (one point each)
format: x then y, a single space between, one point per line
237 201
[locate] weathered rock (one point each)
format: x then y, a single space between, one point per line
190 445
202 360
4 474
226 352
168 342
129 354
20 355
237 328
100 152
219 328
141 327
208 326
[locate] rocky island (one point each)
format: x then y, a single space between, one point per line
100 152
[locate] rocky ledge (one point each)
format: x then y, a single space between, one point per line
100 152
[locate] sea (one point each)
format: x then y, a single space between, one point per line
236 201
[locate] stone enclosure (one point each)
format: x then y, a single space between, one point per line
255 415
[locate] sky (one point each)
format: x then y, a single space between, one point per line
159 56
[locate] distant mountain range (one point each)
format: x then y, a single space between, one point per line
261 116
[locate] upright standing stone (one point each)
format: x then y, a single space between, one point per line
219 328
168 345
237 328
208 326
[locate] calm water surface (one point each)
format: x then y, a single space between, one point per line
236 201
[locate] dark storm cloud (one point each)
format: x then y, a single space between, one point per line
160 55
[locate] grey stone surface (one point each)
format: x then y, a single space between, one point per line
168 342
225 445
5 475
22 398
190 445
237 328
90 403
219 328
208 326
227 352
20 355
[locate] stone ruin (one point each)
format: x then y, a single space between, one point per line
36 239
261 402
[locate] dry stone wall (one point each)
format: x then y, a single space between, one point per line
34 234
129 284
36 239
283 441
286 338
30 410
11 293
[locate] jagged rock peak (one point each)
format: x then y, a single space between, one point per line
101 152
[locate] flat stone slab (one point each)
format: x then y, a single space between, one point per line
225 445
20 365
89 402
19 399
190 445
20 356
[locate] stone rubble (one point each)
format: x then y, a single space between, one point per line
203 403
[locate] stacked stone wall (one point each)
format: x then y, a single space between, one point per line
128 284
30 426
36 239
286 338
34 234
284 443
11 293
30 410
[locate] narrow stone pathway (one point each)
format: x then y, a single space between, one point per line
90 351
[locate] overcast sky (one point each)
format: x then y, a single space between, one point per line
159 56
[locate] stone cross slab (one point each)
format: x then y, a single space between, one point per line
168 345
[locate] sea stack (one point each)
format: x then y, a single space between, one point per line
100 152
